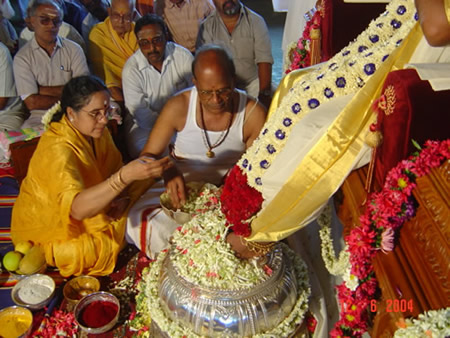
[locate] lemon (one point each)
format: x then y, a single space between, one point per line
12 260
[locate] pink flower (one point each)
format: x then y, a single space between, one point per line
387 240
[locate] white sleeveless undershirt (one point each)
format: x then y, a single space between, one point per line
190 145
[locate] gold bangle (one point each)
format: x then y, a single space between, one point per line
119 174
259 249
113 185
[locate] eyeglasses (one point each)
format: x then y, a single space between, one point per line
98 115
120 17
224 93
157 41
45 21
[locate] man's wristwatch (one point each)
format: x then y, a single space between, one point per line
265 92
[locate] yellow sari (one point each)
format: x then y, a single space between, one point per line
63 165
108 52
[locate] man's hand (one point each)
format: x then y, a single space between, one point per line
175 186
238 245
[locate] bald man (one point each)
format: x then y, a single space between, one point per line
212 123
111 43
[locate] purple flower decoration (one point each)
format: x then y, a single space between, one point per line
328 93
374 38
380 25
264 131
245 163
416 16
320 76
250 167
369 68
280 134
401 10
258 181
287 122
346 53
384 58
398 42
271 149
306 88
264 164
396 24
295 108
362 49
341 82
313 103
333 66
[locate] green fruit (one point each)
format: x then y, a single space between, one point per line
12 260
32 261
23 246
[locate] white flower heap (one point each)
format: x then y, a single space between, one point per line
200 254
203 257
344 74
434 323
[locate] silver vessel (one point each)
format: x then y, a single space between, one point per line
230 313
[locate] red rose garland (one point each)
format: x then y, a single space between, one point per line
239 201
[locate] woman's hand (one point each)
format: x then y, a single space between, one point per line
175 186
145 167
238 245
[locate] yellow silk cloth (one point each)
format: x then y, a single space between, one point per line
447 9
323 168
63 165
108 52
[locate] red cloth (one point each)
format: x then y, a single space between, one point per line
419 113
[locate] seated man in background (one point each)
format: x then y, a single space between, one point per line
246 36
213 124
151 75
98 12
46 63
65 31
183 17
111 43
12 113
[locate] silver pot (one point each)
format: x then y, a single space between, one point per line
228 313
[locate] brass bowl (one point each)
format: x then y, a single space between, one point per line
78 287
15 321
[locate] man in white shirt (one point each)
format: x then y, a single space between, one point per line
150 77
11 110
46 63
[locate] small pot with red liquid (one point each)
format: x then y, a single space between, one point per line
97 312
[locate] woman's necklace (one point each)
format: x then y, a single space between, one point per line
210 153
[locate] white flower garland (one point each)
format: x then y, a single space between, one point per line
47 118
344 74
336 266
434 323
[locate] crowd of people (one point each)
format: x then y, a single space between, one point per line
193 101
57 40
81 59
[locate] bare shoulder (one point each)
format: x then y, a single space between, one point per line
255 117
175 109
255 112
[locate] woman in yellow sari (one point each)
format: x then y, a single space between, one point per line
76 195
